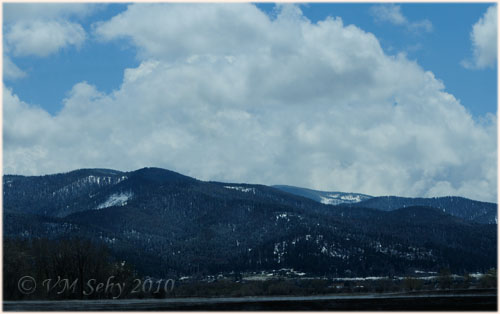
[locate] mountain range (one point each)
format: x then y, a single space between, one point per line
329 198
163 222
481 212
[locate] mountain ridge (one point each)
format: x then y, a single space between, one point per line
162 221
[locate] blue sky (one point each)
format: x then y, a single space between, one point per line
380 99
440 51
49 79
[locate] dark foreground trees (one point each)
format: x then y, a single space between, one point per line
56 269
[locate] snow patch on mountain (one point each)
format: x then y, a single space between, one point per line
329 201
324 197
116 199
335 199
86 182
240 188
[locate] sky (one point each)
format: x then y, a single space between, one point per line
381 99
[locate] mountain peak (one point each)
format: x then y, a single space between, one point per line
160 175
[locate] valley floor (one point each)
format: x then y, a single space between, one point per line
451 300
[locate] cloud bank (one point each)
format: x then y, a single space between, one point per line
484 41
223 92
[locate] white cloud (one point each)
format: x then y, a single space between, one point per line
42 38
389 13
15 12
225 93
10 70
484 41
212 29
41 29
392 14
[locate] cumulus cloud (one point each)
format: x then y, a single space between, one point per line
208 29
225 93
391 13
35 29
42 38
484 41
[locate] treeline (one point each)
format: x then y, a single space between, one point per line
59 269
226 287
63 268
